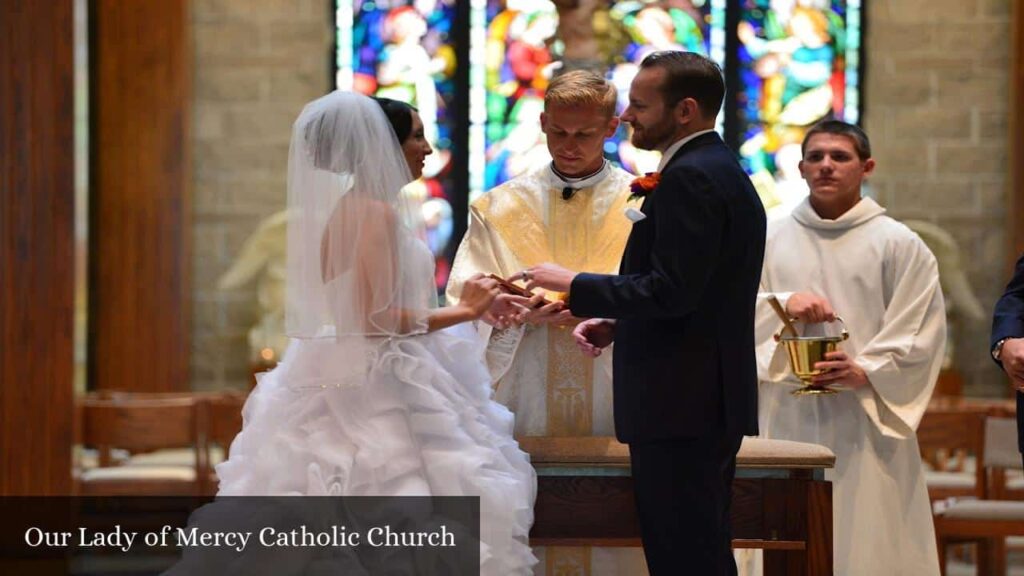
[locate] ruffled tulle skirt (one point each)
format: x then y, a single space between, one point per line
389 417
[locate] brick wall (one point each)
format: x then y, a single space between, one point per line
936 109
256 63
935 105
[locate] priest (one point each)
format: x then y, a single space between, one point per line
571 211
839 256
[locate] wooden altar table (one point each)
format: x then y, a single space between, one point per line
781 501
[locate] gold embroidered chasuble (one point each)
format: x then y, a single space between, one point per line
526 222
539 372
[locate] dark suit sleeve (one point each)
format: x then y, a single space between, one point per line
1008 319
689 218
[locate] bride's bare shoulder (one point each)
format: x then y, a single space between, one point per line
368 210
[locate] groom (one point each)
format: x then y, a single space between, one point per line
681 313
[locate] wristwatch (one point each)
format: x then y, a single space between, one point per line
998 349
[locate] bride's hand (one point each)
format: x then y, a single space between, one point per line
477 295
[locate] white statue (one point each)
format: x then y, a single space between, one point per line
961 302
262 258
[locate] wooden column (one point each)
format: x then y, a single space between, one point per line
36 246
1015 204
139 202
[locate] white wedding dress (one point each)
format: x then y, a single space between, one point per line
389 416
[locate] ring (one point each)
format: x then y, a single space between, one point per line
526 275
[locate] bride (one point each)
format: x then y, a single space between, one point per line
380 393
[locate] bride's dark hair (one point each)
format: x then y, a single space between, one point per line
346 209
324 140
399 115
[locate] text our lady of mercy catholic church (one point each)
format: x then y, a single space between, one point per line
268 537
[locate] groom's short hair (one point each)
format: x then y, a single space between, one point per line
689 75
581 88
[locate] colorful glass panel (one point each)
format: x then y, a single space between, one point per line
652 27
798 64
517 55
402 49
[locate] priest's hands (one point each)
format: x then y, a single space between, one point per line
809 307
552 313
842 370
593 335
1012 358
547 276
509 310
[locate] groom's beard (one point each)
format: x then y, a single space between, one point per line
650 136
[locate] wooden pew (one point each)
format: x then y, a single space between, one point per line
140 425
949 437
172 440
985 521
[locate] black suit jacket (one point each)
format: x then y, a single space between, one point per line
684 301
1008 322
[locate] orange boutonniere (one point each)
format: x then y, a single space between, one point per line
641 186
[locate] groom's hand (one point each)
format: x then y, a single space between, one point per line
551 277
593 335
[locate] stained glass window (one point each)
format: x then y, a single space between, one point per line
518 51
403 49
518 56
478 69
798 63
652 27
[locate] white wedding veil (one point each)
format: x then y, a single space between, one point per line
356 264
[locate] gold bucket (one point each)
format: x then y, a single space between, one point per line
804 352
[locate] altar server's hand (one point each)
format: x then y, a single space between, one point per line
593 335
550 277
842 370
809 308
